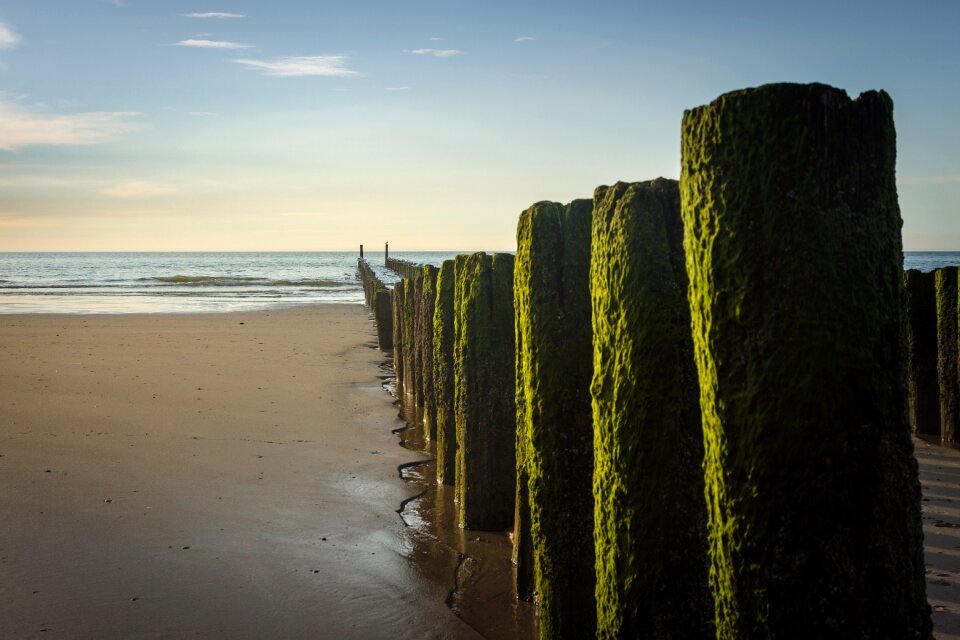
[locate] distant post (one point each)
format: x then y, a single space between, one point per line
361 252
923 385
945 282
386 252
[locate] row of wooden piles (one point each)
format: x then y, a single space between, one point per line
933 370
379 298
688 399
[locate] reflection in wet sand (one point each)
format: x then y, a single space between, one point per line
476 565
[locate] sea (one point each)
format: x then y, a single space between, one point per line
98 283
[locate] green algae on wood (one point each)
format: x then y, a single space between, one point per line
404 268
554 422
650 518
444 422
410 357
923 388
945 282
485 411
793 249
424 320
524 580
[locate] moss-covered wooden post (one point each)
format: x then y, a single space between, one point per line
651 543
923 388
410 359
792 238
398 297
425 309
445 425
524 580
554 421
945 281
484 391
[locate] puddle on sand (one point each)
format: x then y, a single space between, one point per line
475 565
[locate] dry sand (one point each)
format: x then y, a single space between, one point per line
214 476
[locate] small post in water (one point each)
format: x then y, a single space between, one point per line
361 252
386 252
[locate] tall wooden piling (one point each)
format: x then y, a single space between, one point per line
554 423
945 281
793 249
652 565
411 359
923 388
383 316
398 297
424 346
484 391
445 430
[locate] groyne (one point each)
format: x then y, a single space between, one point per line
690 403
378 298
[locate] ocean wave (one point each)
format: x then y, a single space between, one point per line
241 281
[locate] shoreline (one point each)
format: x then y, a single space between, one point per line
225 474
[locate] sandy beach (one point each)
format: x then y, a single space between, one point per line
235 476
215 476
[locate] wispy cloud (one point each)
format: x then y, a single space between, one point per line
436 53
201 114
435 39
211 44
397 88
524 39
301 66
213 14
9 38
137 189
20 127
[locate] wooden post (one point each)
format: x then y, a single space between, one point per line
485 411
361 251
650 515
386 252
796 293
443 381
923 385
553 527
945 281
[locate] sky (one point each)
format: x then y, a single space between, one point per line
226 125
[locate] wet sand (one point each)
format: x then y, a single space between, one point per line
214 476
940 477
478 565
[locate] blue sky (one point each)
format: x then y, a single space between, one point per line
293 125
